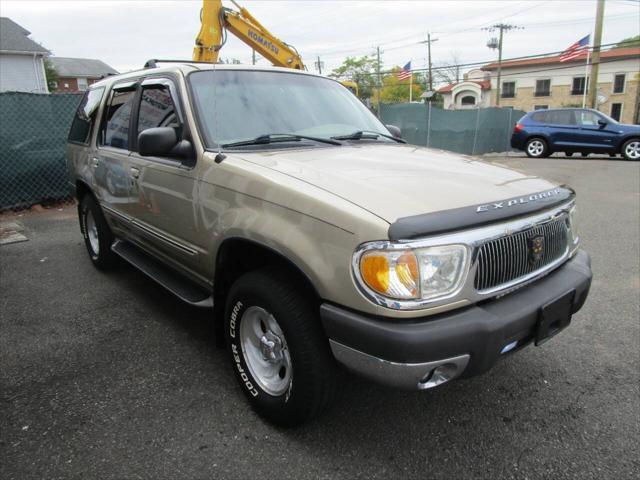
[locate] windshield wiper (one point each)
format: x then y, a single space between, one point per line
279 137
367 134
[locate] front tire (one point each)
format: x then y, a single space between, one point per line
279 353
537 148
631 149
98 237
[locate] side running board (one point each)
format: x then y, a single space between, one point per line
184 289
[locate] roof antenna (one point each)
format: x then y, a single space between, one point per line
220 156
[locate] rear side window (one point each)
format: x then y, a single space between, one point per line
157 109
540 117
85 116
560 117
115 126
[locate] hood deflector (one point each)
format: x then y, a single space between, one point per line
445 221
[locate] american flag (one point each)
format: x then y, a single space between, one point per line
575 50
405 72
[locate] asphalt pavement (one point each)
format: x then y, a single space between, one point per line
105 375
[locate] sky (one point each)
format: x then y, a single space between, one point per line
125 33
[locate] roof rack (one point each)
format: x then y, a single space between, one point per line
152 63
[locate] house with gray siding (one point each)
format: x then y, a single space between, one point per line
21 60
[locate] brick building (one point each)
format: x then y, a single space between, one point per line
76 74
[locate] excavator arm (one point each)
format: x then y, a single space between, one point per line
217 20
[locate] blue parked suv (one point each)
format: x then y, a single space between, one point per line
570 130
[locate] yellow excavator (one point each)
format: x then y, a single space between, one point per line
216 20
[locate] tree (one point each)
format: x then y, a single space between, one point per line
628 42
360 70
51 74
448 72
396 91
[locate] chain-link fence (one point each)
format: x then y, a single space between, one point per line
33 134
474 132
34 127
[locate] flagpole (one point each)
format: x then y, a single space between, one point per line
586 76
410 87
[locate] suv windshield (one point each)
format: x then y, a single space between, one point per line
251 104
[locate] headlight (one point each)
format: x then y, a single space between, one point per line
401 273
573 228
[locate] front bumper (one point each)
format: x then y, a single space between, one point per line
425 352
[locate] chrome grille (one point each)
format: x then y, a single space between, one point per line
508 258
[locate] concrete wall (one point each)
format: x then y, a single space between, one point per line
22 73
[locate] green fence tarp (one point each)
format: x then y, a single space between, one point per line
34 127
33 134
473 131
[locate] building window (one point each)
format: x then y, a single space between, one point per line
540 107
468 100
618 83
508 90
616 111
82 84
578 86
543 88
66 85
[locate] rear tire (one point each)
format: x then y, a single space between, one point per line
631 149
568 154
537 148
279 353
97 234
584 154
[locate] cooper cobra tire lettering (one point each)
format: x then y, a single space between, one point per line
232 321
243 374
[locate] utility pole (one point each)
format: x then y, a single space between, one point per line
493 43
595 56
379 82
319 65
429 41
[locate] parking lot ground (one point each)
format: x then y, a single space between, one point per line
105 375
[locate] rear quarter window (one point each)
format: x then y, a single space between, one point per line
539 117
85 117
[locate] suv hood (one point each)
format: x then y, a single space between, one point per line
395 181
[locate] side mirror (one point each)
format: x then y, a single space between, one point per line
602 123
395 131
157 142
163 142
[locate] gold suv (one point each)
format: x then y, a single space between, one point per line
316 234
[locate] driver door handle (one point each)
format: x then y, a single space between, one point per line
135 173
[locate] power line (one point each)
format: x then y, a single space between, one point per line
444 33
487 62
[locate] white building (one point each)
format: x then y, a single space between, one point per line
21 60
472 92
